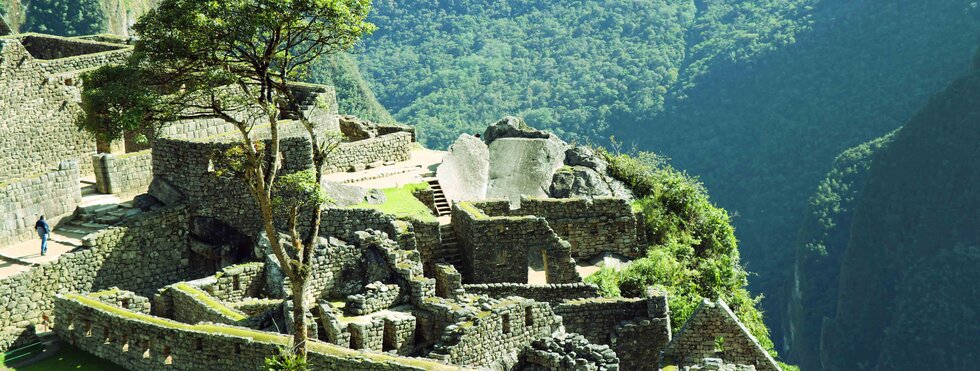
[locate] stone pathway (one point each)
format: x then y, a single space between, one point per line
422 164
96 212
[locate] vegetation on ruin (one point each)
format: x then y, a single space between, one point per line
210 301
234 61
401 202
693 253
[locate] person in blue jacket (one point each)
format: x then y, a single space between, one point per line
43 230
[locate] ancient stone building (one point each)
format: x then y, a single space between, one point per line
714 335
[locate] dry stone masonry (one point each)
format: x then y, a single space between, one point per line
192 284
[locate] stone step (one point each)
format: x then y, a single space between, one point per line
96 209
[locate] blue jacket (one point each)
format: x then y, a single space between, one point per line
42 227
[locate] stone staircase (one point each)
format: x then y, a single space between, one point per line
95 213
306 96
449 248
442 203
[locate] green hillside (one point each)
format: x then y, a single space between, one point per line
822 240
907 297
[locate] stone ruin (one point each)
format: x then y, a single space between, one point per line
188 282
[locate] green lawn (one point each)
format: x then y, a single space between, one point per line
401 203
69 358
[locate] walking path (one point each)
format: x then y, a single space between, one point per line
96 212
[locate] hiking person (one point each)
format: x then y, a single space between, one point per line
43 229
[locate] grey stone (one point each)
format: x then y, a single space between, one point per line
464 171
344 195
522 166
578 181
375 197
513 127
165 192
584 156
375 164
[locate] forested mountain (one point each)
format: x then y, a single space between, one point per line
907 298
756 97
822 240
73 17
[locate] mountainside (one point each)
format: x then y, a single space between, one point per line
907 298
821 243
756 97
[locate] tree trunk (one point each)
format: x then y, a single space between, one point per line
300 334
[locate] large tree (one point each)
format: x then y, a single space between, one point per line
234 60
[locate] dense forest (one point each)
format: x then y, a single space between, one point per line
907 298
756 97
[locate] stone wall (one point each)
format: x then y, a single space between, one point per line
237 282
500 248
123 174
637 329
39 102
710 324
591 226
493 338
146 252
188 304
394 147
53 194
553 294
141 342
568 352
186 170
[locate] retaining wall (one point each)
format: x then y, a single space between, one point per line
553 294
637 329
396 147
146 252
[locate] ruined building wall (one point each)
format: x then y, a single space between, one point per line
186 170
53 193
591 226
635 328
496 249
140 342
39 103
146 252
491 339
698 339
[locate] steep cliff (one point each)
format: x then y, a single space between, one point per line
822 241
908 298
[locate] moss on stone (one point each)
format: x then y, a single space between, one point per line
211 302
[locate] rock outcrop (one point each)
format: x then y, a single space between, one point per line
464 171
523 166
513 127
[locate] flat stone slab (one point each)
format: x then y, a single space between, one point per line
464 172
523 166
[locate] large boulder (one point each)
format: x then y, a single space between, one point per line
513 127
464 171
584 156
523 166
578 181
343 195
165 192
355 129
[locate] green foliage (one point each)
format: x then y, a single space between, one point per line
298 190
693 252
65 17
354 96
286 361
118 99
